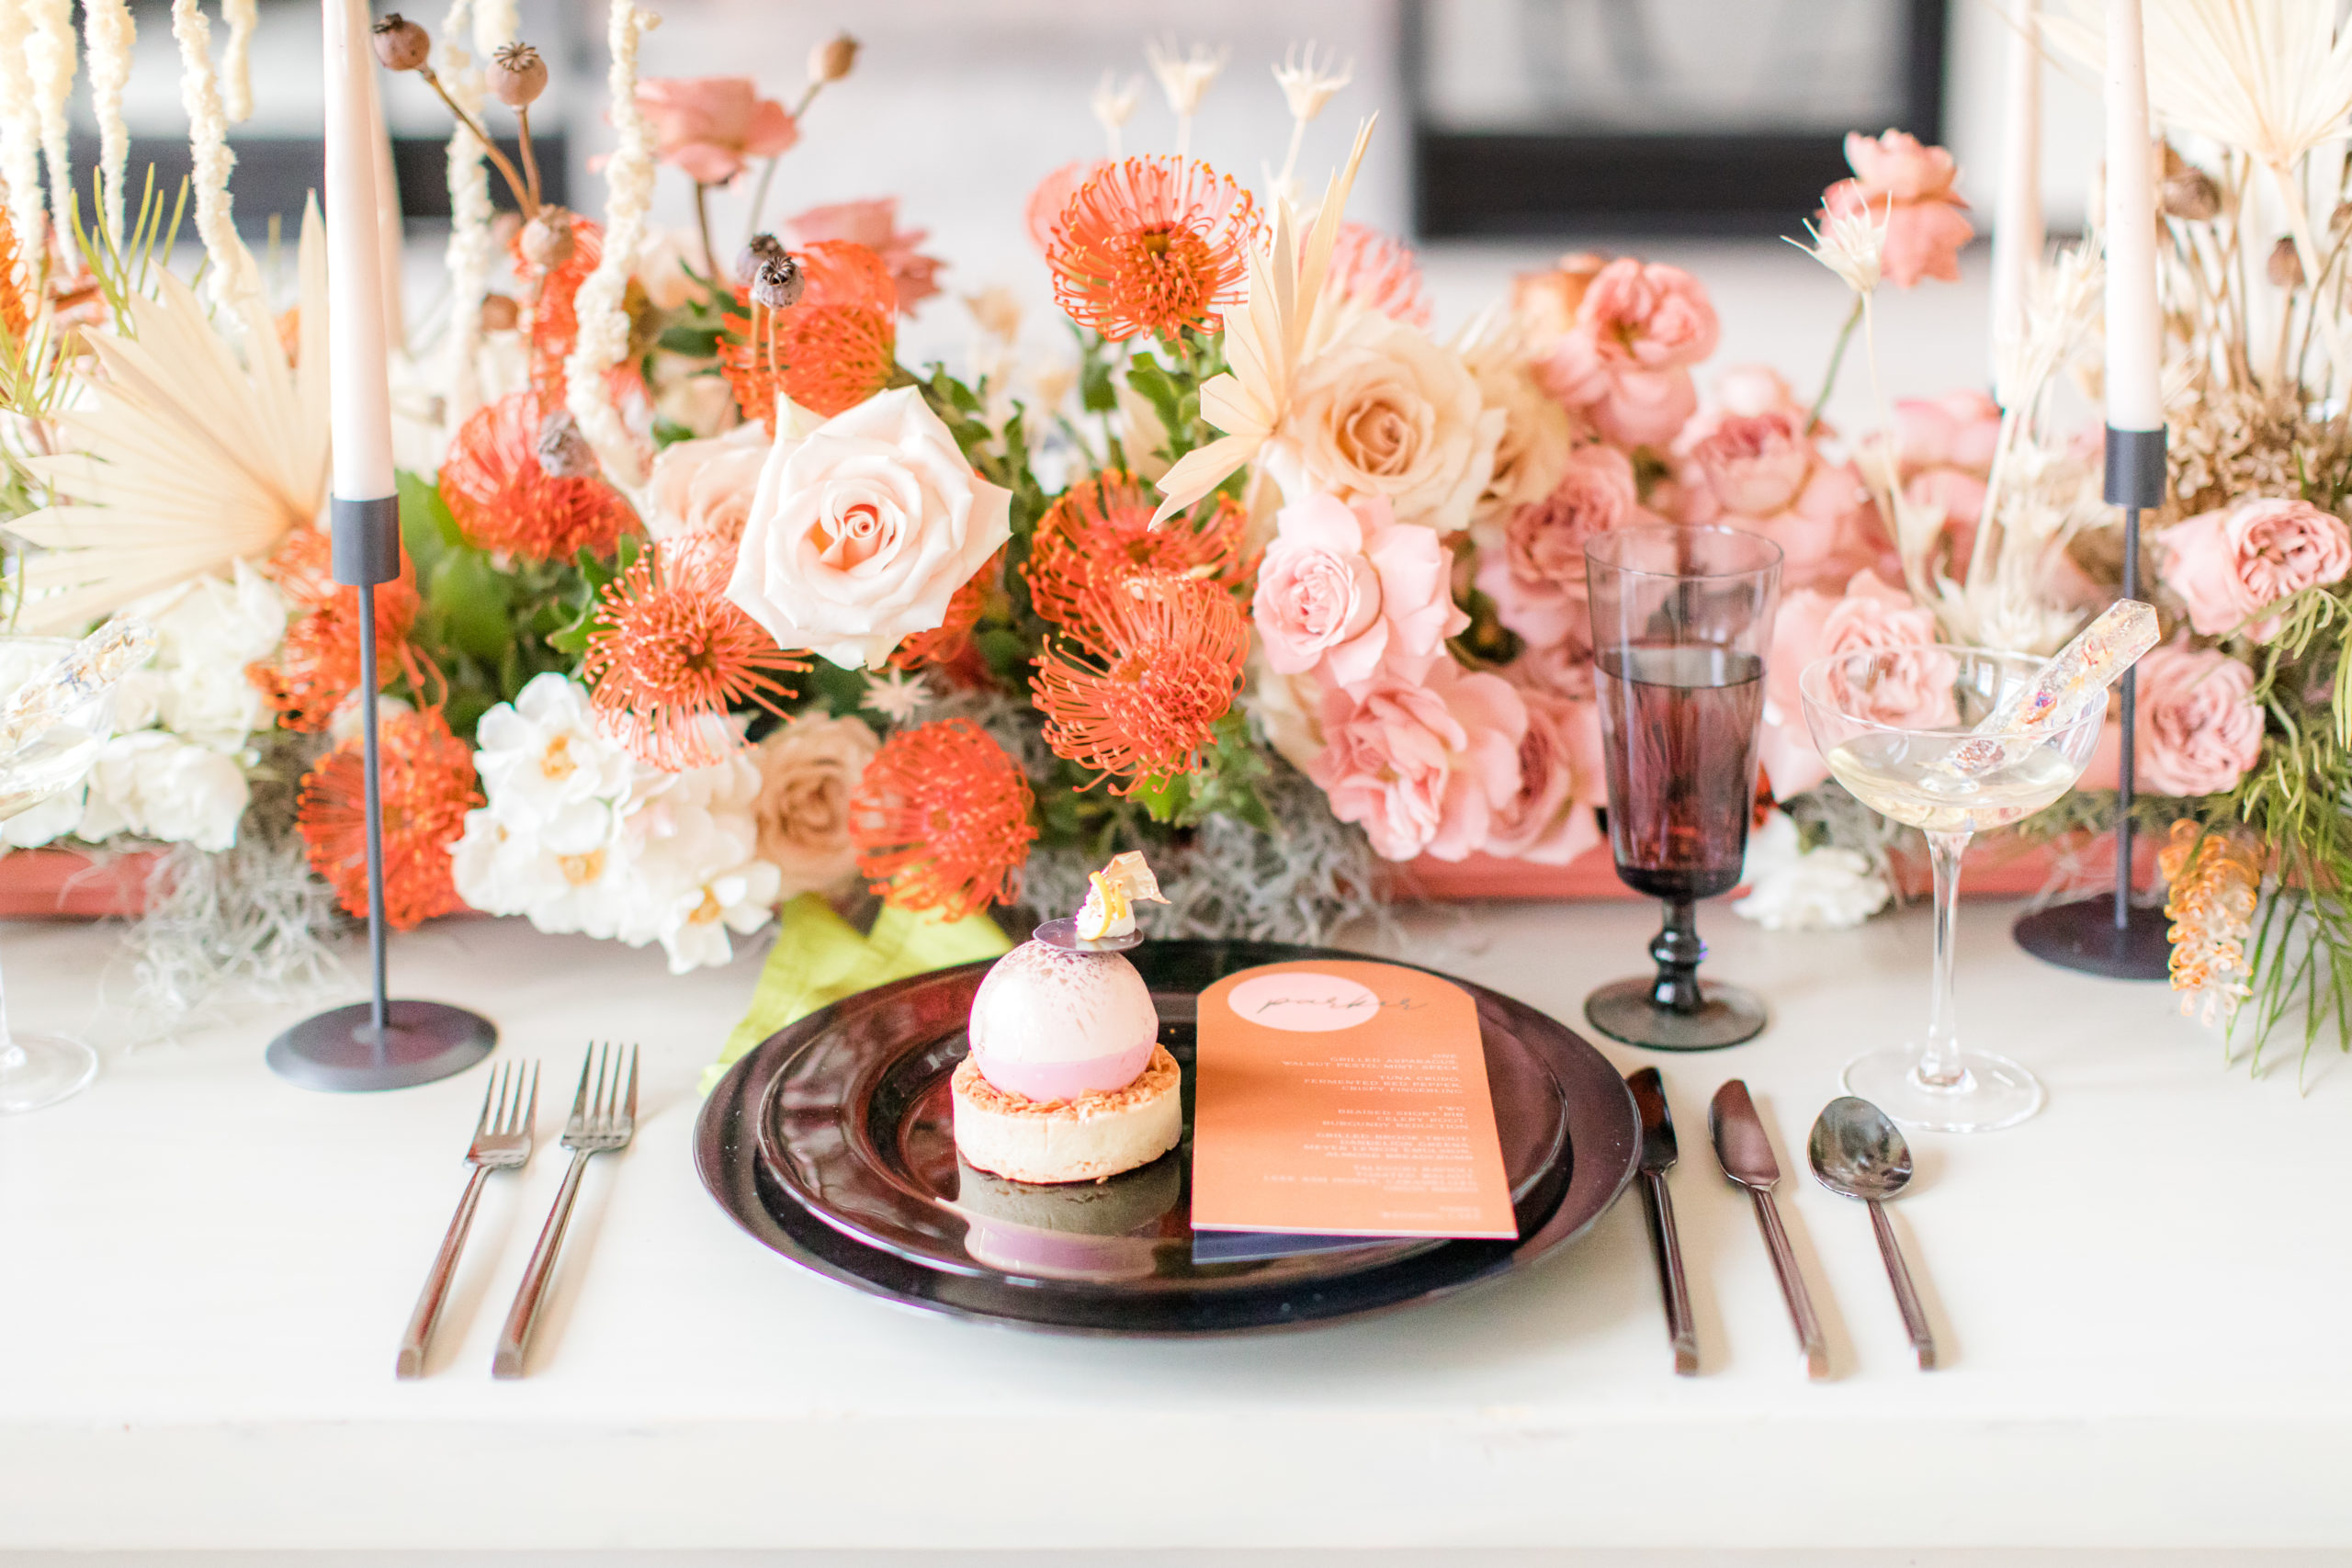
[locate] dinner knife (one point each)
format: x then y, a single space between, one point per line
1745 1151
1657 1157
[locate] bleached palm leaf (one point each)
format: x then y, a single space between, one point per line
2272 78
186 457
1264 343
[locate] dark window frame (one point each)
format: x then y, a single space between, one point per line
1485 186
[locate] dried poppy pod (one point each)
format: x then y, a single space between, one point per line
401 44
499 313
546 239
564 452
2285 268
517 76
759 249
831 59
778 283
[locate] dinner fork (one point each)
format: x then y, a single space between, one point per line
603 1114
502 1141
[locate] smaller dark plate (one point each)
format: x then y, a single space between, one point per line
832 1142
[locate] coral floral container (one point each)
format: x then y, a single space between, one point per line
70 884
1992 871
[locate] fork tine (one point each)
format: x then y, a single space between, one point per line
489 1098
531 1110
630 1112
587 1075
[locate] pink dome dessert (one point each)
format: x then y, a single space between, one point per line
1052 1024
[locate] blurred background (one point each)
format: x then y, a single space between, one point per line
1696 131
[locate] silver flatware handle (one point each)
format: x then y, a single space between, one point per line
1784 1264
436 1284
516 1338
1667 1249
1906 1295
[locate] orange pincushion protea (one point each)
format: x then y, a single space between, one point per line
1374 270
1156 663
830 350
555 313
1152 245
948 641
428 787
668 649
1100 534
318 667
506 499
941 819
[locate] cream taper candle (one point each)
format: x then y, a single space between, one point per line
361 410
2018 234
2135 332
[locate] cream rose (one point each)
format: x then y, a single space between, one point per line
1381 410
807 771
704 489
1532 445
861 531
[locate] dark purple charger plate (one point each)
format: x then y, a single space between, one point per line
831 1142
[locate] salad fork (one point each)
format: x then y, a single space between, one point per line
502 1141
604 1115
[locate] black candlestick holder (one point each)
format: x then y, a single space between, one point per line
381 1043
2109 934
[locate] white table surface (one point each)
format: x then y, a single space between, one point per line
204 1272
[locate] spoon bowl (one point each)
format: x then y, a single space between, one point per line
1858 1152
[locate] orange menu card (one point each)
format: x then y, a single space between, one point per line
1337 1098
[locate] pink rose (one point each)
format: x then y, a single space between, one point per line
2199 728
1812 625
1560 776
1353 595
875 224
1423 769
2228 567
1537 578
709 126
1908 186
1639 327
1957 431
1756 464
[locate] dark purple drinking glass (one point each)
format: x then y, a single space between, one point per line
1682 619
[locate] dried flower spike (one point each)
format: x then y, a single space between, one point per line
831 59
517 76
1306 86
1115 105
1852 245
401 44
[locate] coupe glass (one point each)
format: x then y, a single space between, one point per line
37 1070
1680 620
1886 721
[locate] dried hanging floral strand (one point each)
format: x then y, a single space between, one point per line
237 60
603 342
20 140
107 34
50 58
471 250
234 282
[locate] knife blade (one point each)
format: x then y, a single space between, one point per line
1745 1151
1659 1154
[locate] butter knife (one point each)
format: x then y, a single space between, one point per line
1658 1152
1745 1151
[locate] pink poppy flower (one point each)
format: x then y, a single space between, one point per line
710 127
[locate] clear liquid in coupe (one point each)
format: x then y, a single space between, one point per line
1900 777
1681 783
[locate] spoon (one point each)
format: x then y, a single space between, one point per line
1856 1153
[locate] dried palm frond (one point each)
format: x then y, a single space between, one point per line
1264 343
185 459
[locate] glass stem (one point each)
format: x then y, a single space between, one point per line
1677 951
1940 1064
12 1056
